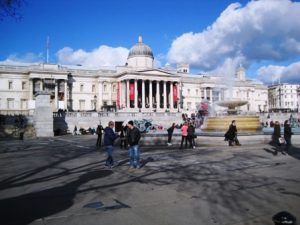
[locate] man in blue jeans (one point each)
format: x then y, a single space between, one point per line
133 138
109 138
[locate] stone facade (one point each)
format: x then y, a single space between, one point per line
284 97
134 87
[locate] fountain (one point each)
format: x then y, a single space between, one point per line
245 123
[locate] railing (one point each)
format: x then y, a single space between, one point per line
15 112
115 114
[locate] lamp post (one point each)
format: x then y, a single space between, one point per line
95 102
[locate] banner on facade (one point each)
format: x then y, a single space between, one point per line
118 95
131 92
174 93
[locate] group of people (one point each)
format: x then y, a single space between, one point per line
187 134
132 137
277 139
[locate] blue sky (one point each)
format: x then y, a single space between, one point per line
212 36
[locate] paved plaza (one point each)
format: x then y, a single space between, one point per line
63 180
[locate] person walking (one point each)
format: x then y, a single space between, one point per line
191 135
123 137
99 134
287 134
133 138
170 131
109 137
231 134
184 133
75 130
276 134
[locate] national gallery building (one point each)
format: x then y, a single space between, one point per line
135 87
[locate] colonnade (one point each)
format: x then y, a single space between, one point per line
148 94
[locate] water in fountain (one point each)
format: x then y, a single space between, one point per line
245 123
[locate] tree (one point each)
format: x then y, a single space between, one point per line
10 8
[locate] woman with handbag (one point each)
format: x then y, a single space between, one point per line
231 134
287 134
276 137
191 135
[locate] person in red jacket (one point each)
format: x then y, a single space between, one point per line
184 134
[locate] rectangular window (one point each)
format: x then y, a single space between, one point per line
104 87
93 88
81 104
81 87
23 85
23 104
10 85
104 103
202 94
10 103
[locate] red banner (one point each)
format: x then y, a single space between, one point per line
174 93
131 91
118 95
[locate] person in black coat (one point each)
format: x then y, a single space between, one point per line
231 134
109 137
287 134
170 131
133 138
191 135
276 133
99 134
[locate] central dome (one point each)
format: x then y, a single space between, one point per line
140 49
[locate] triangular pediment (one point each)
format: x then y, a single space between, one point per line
152 72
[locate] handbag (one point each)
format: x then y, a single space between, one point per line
281 140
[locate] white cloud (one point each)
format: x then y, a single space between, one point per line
261 30
273 73
27 58
104 56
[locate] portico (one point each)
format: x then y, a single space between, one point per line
148 95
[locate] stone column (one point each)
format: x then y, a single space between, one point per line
200 95
111 92
165 94
210 93
127 94
171 96
157 95
30 89
178 95
65 94
143 94
119 92
41 85
205 94
100 95
56 94
135 95
150 95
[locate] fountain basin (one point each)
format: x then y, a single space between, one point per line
244 123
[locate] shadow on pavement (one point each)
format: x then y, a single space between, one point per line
26 208
291 151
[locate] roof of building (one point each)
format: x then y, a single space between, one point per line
140 49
